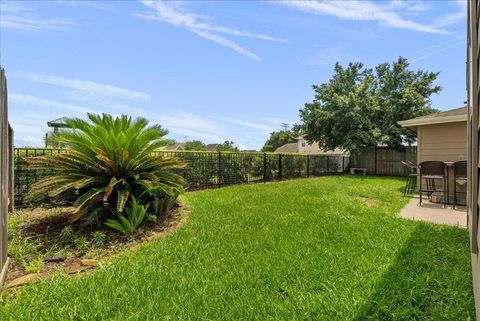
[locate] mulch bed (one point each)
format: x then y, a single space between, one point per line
36 225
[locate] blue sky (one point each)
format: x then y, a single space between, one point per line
211 70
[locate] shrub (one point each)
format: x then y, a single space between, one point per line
108 162
98 238
129 223
80 243
66 235
34 266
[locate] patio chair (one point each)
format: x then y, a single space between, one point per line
411 179
459 175
431 171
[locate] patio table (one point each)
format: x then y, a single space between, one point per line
461 186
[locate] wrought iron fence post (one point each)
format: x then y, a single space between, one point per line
219 168
343 164
308 165
279 167
264 168
328 164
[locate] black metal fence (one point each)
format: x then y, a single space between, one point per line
208 169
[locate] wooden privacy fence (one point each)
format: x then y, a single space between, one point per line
207 169
384 160
6 174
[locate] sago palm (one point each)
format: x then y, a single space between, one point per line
107 161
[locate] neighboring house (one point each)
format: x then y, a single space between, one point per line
473 66
303 147
212 147
440 136
287 148
176 146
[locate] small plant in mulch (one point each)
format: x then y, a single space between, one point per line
41 241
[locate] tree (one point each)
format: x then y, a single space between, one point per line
170 141
195 145
281 137
360 107
227 146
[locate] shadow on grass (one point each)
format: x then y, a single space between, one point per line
429 280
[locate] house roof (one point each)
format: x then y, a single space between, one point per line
176 146
287 148
449 116
212 147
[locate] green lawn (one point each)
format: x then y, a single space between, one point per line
330 248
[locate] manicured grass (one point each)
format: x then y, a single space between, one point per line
319 249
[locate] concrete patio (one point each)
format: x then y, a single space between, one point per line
434 213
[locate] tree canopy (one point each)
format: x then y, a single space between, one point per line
227 146
195 145
280 138
360 107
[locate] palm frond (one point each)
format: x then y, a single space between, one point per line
109 161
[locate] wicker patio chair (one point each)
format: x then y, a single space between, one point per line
459 175
411 179
431 171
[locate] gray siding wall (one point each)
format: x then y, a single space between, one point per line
473 149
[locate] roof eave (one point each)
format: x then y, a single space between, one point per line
411 123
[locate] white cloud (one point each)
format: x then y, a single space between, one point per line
86 90
241 147
12 7
245 123
30 127
207 128
435 49
457 16
41 102
190 125
33 141
29 124
75 3
200 26
330 55
31 24
29 115
325 58
411 6
18 17
279 121
361 11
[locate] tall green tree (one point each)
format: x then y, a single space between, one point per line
280 138
227 146
195 145
360 107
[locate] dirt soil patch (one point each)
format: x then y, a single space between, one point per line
39 244
370 202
